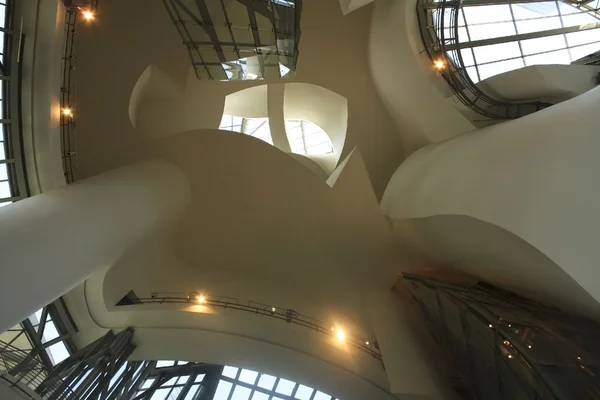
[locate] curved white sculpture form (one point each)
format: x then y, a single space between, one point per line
536 177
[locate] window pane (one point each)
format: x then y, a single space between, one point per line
223 390
183 379
582 51
472 71
230 372
285 387
147 383
266 381
534 10
50 332
554 57
248 376
543 44
260 396
496 52
160 394
538 25
322 396
58 352
199 378
241 393
164 363
479 32
483 14
193 390
304 392
582 37
487 70
467 57
578 19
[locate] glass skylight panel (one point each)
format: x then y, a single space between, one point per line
534 10
160 394
467 57
58 352
285 387
553 57
164 363
480 32
321 396
543 44
304 392
266 381
230 372
191 394
147 383
487 70
248 376
487 14
50 332
579 19
241 393
496 52
582 51
583 37
223 389
538 25
472 71
199 378
260 396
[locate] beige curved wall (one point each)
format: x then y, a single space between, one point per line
534 177
406 79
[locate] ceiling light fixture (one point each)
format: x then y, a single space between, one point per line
67 112
340 335
367 342
439 65
88 15
201 299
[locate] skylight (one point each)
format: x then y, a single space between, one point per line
497 38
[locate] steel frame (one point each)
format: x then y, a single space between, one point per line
280 313
201 17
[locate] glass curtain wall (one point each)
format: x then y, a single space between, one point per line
497 38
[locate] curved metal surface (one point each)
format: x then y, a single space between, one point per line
437 39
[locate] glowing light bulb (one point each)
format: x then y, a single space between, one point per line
510 356
439 65
201 299
491 326
273 309
88 15
340 335
529 346
579 358
67 112
367 343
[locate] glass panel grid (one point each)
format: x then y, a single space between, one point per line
505 21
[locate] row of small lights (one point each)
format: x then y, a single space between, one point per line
89 16
339 333
507 343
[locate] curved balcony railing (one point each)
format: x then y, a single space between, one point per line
14 185
287 315
441 41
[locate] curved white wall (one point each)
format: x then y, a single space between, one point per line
43 26
406 79
549 83
535 177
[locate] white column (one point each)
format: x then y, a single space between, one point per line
409 366
275 99
52 242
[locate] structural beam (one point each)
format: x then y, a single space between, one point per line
523 36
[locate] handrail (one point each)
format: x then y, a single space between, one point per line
454 71
283 314
11 121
